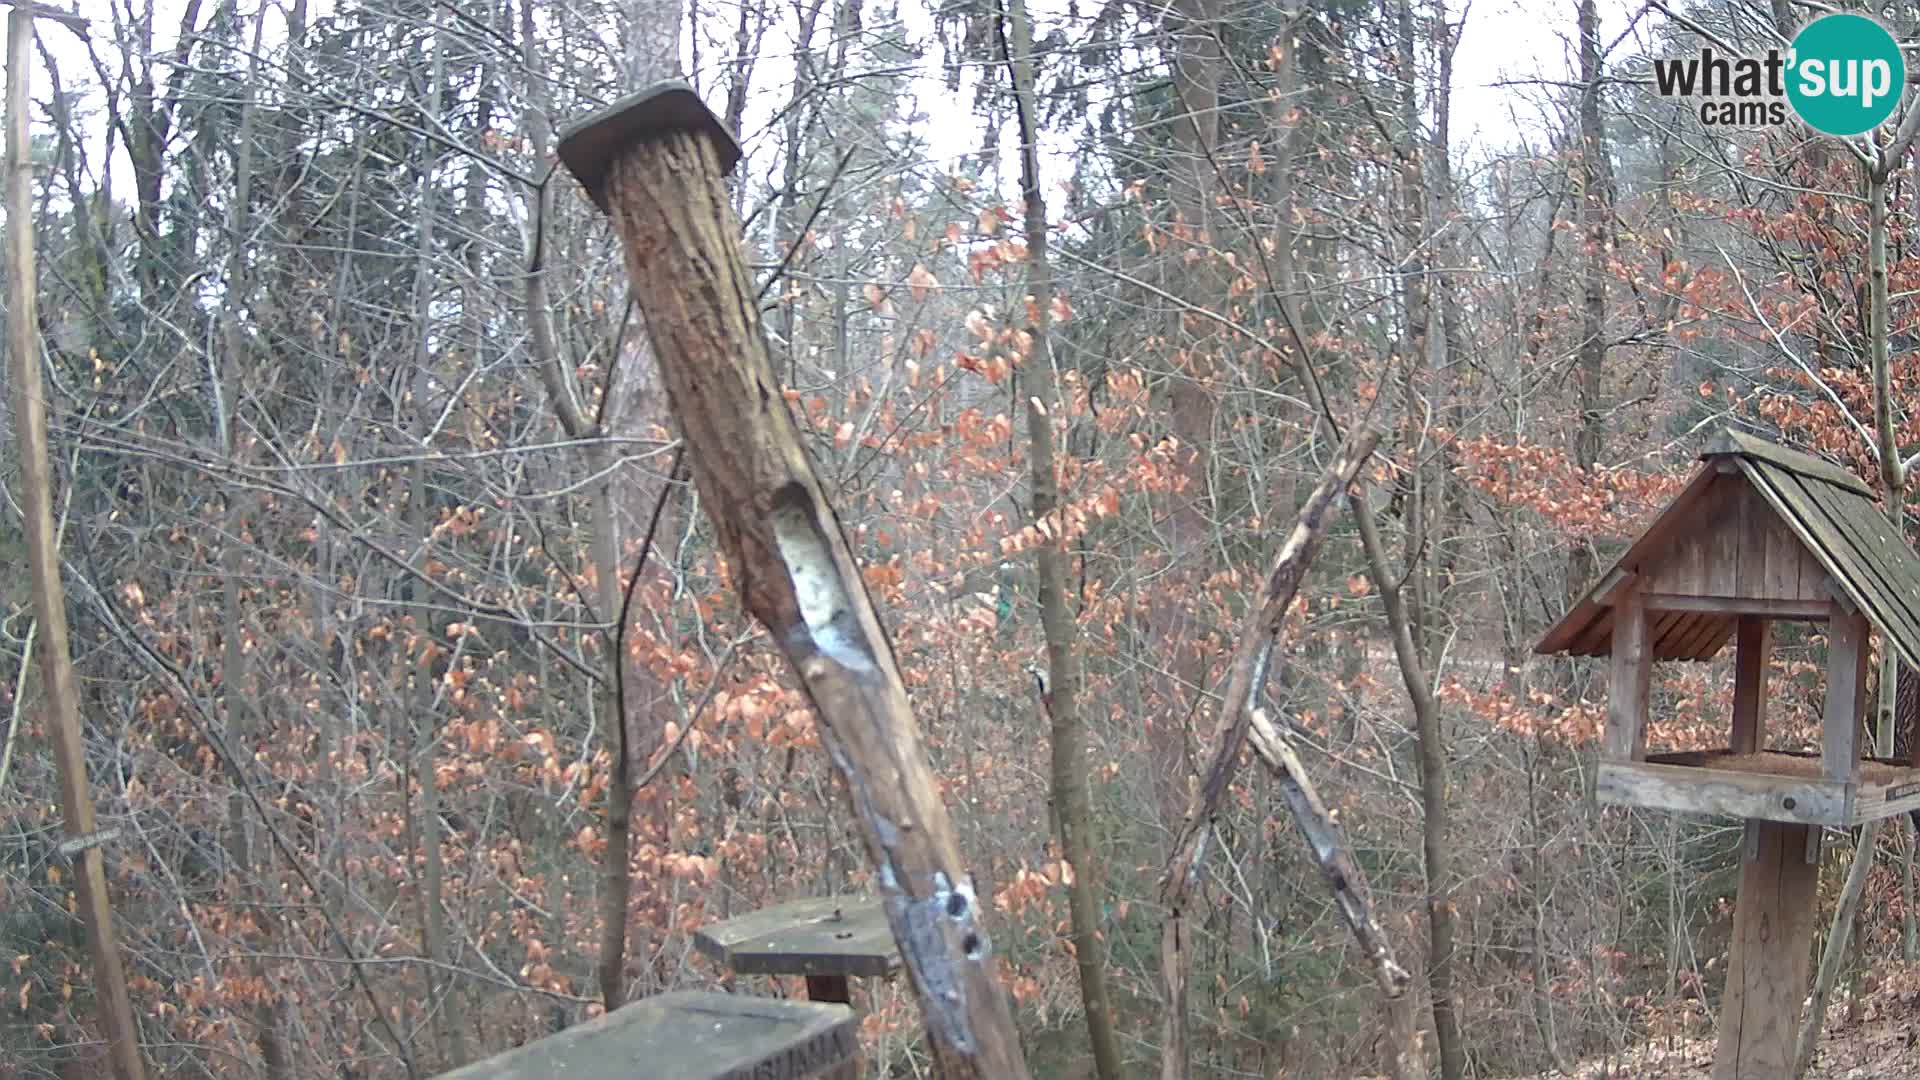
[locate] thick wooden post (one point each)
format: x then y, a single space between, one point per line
1846 695
1630 680
1771 951
1753 647
656 162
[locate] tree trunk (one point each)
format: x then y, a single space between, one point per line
236 682
1069 734
1590 363
1197 64
1834 952
43 560
1432 757
1892 479
423 724
1406 614
631 401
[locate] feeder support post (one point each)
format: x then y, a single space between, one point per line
656 163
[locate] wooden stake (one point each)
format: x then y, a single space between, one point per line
43 557
656 163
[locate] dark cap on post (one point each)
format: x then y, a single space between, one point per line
588 147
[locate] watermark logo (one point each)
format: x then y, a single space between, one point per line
1842 76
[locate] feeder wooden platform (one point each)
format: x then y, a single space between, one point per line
1768 784
827 940
692 1035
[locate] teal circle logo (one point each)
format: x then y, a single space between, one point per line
1845 74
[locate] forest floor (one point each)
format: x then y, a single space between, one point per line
1884 1044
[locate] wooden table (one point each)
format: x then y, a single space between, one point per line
828 940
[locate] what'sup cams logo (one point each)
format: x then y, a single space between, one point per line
1841 76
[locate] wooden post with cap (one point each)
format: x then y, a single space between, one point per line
655 162
43 558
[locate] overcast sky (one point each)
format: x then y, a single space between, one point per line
1510 54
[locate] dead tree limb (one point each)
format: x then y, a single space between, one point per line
1329 851
655 162
1258 638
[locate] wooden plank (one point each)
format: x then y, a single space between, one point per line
1913 742
831 935
1692 790
1595 637
1768 960
690 1035
1809 521
1846 696
1718 541
1753 649
1886 795
1894 602
1578 620
1785 558
1629 683
1887 553
1891 564
1807 610
1773 562
1723 633
1671 643
1730 441
1610 585
1694 642
1750 532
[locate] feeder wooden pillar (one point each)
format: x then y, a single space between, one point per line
1761 534
1846 696
1630 680
1753 650
1772 949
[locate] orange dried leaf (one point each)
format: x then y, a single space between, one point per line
921 281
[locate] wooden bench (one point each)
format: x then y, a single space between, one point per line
690 1035
827 940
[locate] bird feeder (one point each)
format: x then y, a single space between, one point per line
690 1035
828 940
1759 534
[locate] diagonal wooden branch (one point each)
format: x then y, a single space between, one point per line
1258 638
1330 854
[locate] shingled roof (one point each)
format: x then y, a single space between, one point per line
1831 514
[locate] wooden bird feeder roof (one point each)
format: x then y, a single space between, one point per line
1758 530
